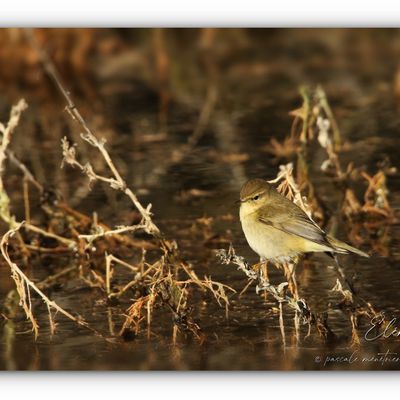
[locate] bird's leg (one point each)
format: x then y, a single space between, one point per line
290 274
261 268
264 269
256 267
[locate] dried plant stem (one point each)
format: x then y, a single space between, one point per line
5 214
117 231
282 325
116 182
297 326
204 119
25 190
205 114
7 132
24 285
323 101
289 188
138 278
218 291
85 220
278 292
355 339
117 260
50 279
28 176
68 242
110 258
47 250
108 274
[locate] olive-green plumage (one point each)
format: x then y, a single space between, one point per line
277 229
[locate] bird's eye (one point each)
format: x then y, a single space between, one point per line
256 197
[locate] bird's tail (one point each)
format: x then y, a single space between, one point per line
344 248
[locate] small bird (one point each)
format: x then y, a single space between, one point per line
278 230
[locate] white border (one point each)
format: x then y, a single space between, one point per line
180 13
204 386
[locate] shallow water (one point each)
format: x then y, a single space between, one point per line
257 87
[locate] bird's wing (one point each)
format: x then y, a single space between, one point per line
291 219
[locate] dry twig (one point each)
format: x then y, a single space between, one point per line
116 182
24 286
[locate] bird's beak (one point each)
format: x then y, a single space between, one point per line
238 201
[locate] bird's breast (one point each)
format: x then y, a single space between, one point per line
268 242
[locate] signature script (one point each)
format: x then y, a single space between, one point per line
382 329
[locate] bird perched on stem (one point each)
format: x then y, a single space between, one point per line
278 230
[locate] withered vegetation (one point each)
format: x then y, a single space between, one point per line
167 281
136 264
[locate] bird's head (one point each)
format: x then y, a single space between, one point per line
254 194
